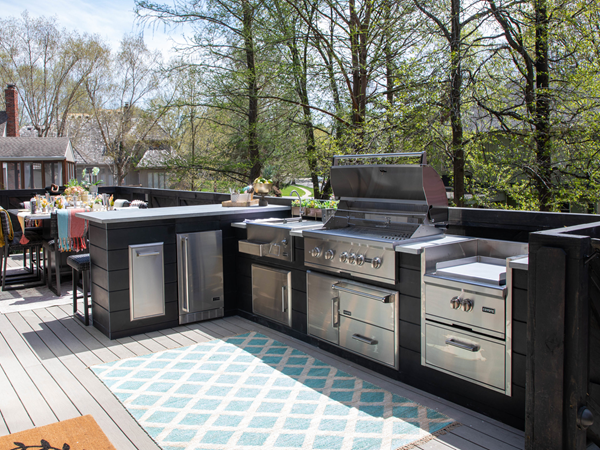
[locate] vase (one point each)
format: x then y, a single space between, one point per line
94 190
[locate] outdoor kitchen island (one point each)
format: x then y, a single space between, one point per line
147 240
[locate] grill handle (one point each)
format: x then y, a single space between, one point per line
469 347
422 155
381 298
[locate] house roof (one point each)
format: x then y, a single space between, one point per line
30 149
3 120
154 159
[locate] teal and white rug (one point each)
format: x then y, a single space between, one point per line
251 391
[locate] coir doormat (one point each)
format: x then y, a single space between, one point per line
251 391
81 433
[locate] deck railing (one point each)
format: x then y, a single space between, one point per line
563 333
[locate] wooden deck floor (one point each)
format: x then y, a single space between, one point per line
44 377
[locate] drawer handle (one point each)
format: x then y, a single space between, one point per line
335 318
364 339
470 347
148 254
384 298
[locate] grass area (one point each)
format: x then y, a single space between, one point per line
286 191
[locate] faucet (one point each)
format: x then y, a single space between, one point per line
300 200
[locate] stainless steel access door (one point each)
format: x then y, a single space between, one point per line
272 294
146 281
323 307
200 274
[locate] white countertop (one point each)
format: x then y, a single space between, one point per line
519 263
416 248
293 231
174 212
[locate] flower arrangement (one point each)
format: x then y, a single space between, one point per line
75 190
59 203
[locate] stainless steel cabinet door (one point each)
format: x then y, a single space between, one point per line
200 271
272 294
146 281
323 304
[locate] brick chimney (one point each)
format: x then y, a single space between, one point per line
12 110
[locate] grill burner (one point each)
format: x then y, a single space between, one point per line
381 206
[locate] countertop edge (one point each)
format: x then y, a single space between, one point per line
173 212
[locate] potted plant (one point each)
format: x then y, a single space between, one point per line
92 185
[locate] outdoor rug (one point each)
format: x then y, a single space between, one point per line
81 433
251 391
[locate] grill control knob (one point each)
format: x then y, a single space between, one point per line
315 252
376 263
360 260
455 302
329 254
352 258
467 305
344 257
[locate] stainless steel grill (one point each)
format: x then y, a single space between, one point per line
380 206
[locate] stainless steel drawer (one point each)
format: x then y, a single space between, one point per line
487 313
465 354
272 293
367 303
368 340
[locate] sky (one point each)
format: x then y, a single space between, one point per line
110 19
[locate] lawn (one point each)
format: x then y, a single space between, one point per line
286 191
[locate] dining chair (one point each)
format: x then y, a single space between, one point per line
12 244
55 259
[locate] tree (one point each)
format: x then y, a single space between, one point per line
50 67
449 22
541 100
225 35
118 96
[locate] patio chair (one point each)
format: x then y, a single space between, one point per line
34 275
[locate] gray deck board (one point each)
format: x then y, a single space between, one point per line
48 352
13 411
179 335
88 394
121 350
149 343
89 341
55 397
132 345
163 340
28 393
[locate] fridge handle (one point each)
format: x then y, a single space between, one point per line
283 299
186 285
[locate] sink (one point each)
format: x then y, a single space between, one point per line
271 237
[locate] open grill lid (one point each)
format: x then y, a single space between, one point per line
387 193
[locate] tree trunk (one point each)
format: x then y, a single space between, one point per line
458 153
253 148
542 107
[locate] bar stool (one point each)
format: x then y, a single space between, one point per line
81 263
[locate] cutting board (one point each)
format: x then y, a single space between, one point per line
229 203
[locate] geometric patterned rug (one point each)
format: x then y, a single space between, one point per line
251 391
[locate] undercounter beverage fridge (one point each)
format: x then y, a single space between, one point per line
200 276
